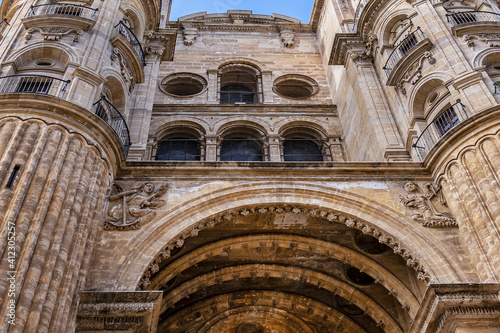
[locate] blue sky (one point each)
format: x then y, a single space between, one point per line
300 9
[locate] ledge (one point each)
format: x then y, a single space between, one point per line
483 28
407 59
58 21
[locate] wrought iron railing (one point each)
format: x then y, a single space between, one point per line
132 39
357 14
34 84
3 24
107 112
472 16
497 87
63 9
448 119
402 48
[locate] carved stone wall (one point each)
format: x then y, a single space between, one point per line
54 202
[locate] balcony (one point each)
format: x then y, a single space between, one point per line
130 48
67 16
474 22
107 112
448 119
403 55
33 84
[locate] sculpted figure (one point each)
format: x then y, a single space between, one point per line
426 213
136 207
288 38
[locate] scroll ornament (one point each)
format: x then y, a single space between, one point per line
129 210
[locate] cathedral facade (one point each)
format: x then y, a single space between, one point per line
242 173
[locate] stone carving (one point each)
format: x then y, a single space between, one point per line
414 72
492 39
287 37
426 213
155 50
131 209
125 69
332 216
54 33
365 56
190 35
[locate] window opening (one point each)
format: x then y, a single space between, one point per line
240 149
236 93
13 176
446 121
301 150
178 149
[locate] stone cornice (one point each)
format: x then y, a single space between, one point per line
343 43
241 20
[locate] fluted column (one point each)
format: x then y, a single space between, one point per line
472 187
55 204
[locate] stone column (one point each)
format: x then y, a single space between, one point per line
211 149
274 148
472 187
54 204
213 86
373 103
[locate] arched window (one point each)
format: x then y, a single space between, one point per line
241 144
178 148
299 149
239 83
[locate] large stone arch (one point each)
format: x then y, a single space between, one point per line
420 247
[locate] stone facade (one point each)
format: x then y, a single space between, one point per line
237 172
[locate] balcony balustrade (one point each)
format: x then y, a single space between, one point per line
472 17
107 112
402 48
63 9
448 119
132 39
34 84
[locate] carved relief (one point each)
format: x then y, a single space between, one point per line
287 37
426 213
131 209
190 35
400 30
125 69
365 56
54 33
414 72
332 216
491 39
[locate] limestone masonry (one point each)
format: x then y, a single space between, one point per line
246 173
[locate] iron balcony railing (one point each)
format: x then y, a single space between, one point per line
448 119
63 9
132 39
402 48
34 84
357 13
472 16
497 88
3 24
107 112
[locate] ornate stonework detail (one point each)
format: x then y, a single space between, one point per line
367 55
287 37
414 72
125 69
131 209
426 214
491 39
190 35
469 311
332 216
116 306
155 50
54 33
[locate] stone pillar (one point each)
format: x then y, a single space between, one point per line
211 149
472 187
213 86
274 148
54 205
373 103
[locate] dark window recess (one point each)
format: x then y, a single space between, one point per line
178 150
236 93
13 176
446 121
35 86
408 43
240 150
296 150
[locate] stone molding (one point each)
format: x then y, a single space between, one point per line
332 216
